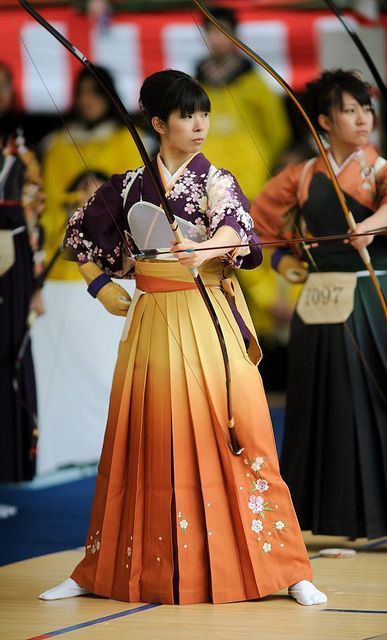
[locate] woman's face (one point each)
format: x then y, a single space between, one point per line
90 105
350 125
218 43
184 134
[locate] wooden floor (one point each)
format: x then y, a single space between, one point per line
356 608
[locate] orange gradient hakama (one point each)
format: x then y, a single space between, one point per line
176 516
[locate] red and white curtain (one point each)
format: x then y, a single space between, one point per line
297 43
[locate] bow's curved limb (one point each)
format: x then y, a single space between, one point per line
236 449
360 45
364 254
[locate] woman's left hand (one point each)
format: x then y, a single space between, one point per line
188 256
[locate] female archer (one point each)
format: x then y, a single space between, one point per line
177 517
334 456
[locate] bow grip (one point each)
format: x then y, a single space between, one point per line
364 251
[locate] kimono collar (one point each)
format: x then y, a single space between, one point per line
198 164
365 155
169 179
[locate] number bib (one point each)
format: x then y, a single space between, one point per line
327 298
7 251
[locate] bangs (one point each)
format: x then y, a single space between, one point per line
170 90
352 84
326 93
356 89
189 97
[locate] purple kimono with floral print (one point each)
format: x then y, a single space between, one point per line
99 231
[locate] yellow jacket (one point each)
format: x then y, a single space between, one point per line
249 129
105 149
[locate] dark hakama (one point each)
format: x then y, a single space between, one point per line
16 286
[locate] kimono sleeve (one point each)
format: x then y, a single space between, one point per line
228 206
96 232
381 183
270 210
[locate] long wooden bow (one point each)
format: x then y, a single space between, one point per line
235 448
364 254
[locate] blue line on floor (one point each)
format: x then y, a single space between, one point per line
381 611
90 623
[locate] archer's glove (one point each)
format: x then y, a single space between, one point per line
114 298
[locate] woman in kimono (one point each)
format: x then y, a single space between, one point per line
334 455
21 267
172 501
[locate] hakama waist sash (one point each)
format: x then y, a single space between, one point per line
163 277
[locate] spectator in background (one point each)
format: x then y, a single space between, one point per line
250 129
94 140
21 266
76 161
249 125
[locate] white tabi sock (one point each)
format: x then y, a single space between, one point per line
67 589
306 593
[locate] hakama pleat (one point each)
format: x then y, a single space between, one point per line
176 516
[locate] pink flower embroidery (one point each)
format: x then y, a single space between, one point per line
189 208
256 504
261 485
257 463
256 526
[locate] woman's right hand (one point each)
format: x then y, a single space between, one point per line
114 298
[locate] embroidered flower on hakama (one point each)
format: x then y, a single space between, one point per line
183 523
94 544
279 525
257 463
256 504
257 526
260 485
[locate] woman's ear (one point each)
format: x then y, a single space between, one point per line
324 122
158 125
